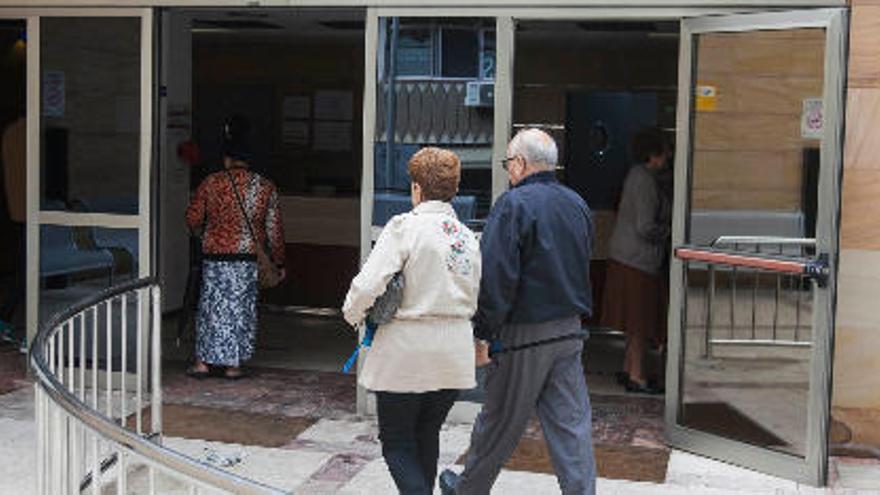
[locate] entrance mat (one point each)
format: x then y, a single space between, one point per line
612 461
224 425
270 391
724 420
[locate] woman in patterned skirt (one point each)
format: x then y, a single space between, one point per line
227 315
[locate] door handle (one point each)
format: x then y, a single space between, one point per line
816 269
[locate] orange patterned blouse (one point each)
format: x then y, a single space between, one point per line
214 209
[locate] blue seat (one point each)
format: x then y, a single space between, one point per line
125 239
59 254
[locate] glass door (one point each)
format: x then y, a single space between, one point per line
90 138
755 239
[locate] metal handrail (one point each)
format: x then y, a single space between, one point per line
763 240
154 453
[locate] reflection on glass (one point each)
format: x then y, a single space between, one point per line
13 167
747 333
435 88
77 262
90 122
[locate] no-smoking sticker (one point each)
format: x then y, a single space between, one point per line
811 119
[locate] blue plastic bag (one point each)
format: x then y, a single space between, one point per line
369 332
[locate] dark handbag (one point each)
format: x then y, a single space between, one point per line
386 305
267 271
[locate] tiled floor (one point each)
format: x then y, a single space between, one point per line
298 429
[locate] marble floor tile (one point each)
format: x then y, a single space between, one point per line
859 474
696 472
18 457
285 469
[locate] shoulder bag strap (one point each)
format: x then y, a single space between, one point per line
244 212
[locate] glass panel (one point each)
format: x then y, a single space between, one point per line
90 117
77 262
754 168
419 109
594 86
460 52
13 42
415 54
487 56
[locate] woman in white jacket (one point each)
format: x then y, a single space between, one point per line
420 359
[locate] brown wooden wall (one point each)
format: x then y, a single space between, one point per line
748 151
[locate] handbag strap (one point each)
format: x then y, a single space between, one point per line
244 212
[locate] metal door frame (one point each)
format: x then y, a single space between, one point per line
142 221
812 468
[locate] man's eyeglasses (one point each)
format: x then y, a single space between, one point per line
506 162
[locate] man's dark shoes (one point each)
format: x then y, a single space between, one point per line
448 480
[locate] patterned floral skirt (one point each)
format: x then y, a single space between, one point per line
227 319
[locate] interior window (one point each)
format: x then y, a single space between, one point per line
460 52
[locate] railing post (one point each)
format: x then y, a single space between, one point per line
710 302
156 365
41 463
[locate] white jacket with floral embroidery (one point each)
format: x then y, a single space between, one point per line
431 335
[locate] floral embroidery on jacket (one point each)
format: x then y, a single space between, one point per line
457 260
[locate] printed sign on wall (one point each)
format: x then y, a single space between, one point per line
53 94
707 98
811 119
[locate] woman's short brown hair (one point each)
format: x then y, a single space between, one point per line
437 172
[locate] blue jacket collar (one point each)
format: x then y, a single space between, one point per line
548 176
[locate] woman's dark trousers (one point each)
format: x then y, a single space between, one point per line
409 428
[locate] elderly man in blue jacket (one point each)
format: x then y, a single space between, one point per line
534 290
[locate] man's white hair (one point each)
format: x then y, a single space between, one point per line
537 147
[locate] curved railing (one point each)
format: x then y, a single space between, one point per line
97 370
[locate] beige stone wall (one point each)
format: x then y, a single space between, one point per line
856 399
748 150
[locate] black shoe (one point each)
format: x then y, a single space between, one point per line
448 480
638 388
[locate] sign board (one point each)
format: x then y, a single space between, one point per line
707 98
811 119
53 94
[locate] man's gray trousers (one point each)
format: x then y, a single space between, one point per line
548 379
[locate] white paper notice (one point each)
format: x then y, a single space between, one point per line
54 96
332 136
295 134
334 105
296 107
